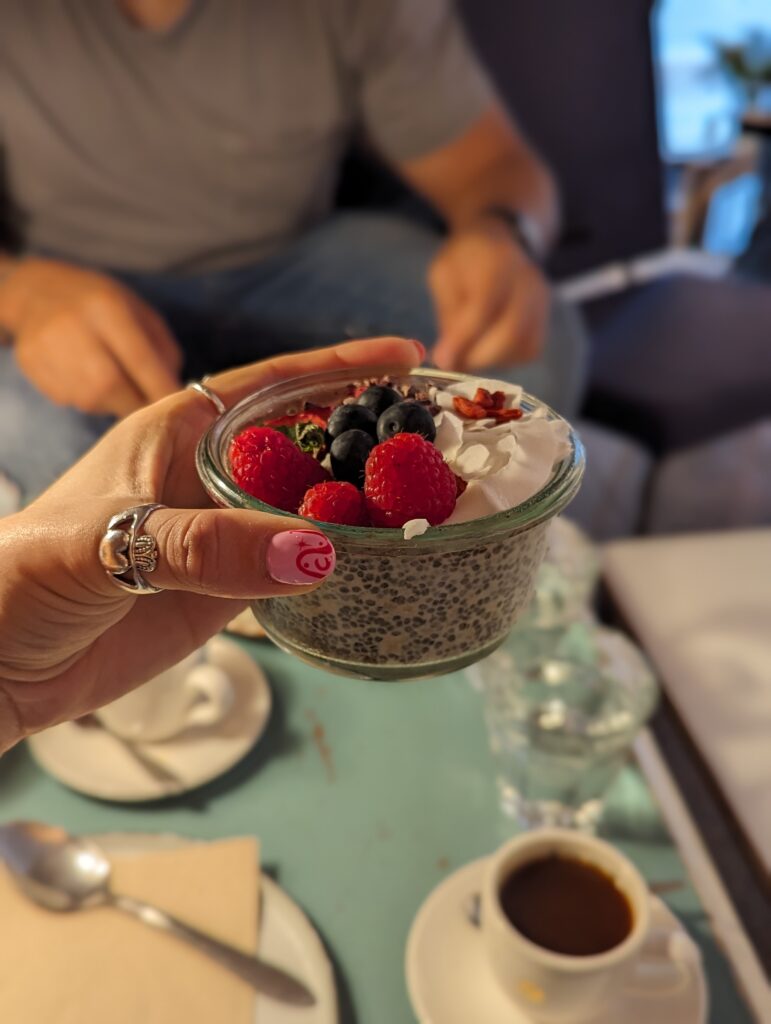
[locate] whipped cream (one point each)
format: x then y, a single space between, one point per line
503 464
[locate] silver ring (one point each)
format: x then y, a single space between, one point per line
125 554
202 389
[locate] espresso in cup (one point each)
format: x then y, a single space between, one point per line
564 917
566 905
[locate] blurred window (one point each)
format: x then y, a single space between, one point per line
700 102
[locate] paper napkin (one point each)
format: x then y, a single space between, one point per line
101 966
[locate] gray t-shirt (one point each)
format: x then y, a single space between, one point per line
217 142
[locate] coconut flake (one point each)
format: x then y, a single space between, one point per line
415 528
449 434
477 500
503 464
472 461
442 399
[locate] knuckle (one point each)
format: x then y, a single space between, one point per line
104 301
63 321
193 551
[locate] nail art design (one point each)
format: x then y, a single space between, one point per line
300 557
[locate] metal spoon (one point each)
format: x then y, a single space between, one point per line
65 873
167 778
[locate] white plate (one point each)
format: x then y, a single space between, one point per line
450 982
287 937
93 761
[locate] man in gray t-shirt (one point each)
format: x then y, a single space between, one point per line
170 167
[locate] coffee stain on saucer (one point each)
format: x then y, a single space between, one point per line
320 739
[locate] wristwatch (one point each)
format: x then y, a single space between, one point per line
525 230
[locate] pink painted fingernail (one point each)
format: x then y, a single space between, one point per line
421 348
300 557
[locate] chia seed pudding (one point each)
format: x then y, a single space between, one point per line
423 600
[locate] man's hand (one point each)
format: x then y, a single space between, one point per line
492 301
86 341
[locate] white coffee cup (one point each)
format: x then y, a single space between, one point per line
556 988
191 693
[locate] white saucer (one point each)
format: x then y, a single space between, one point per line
287 938
450 982
93 761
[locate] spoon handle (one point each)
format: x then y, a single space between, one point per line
263 977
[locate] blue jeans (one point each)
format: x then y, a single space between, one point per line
356 275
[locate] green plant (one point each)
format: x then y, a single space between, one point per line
748 63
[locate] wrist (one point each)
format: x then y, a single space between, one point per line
524 230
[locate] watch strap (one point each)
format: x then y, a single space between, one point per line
524 229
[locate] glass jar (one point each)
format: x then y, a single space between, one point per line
394 608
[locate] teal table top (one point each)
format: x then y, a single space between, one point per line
365 796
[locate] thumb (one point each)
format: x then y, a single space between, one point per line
237 553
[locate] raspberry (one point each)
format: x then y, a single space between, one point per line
268 466
335 502
317 415
407 478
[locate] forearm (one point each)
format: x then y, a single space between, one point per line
491 165
519 182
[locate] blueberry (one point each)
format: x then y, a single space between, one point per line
378 398
351 417
348 455
406 418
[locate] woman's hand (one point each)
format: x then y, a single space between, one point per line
70 639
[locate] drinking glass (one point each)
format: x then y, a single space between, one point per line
566 579
562 707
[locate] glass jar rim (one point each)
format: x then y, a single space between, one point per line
544 504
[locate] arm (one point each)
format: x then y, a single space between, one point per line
491 164
82 338
433 113
491 298
70 640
